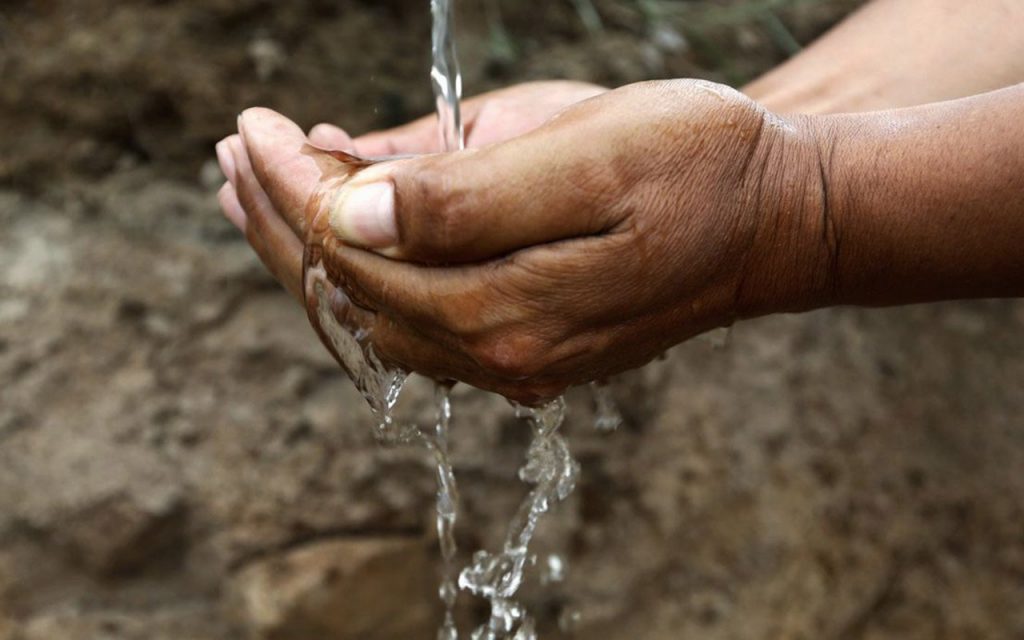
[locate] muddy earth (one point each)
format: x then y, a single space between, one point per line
179 459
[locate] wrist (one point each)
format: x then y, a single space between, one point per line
916 205
794 252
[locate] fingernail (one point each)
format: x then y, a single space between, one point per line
364 215
226 160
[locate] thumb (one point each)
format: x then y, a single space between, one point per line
553 184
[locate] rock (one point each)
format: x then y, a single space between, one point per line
119 534
110 508
365 589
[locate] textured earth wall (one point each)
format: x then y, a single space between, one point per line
180 460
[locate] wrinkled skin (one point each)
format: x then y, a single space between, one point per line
554 255
489 118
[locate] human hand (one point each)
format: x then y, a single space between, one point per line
586 247
488 118
898 53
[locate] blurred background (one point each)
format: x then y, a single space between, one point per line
179 459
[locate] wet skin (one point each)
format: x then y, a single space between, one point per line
632 221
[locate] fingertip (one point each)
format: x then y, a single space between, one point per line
416 138
263 129
329 136
274 164
231 207
259 116
374 145
226 159
240 157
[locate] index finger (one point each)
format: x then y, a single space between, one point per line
289 169
418 137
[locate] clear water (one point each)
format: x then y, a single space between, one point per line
552 471
447 509
607 415
380 385
446 78
549 468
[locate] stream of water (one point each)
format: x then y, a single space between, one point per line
549 465
549 468
446 78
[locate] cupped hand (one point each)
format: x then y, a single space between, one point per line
585 247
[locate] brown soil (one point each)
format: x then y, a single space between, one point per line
179 459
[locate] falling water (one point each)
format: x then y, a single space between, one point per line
549 467
446 79
446 76
447 508
607 415
552 471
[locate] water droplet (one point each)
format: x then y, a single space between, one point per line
608 417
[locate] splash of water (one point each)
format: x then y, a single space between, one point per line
607 415
378 384
549 466
552 471
381 386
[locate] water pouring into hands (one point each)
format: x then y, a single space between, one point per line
623 225
633 220
585 231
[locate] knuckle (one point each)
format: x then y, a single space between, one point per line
472 311
512 356
443 219
460 322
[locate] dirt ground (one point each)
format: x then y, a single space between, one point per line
180 460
